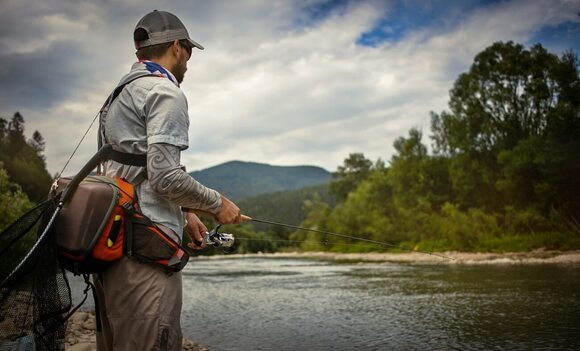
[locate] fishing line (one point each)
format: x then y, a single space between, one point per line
79 144
325 243
345 236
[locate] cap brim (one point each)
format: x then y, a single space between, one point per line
194 44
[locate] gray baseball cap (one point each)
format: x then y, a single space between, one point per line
162 27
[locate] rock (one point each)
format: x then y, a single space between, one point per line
82 346
89 324
73 327
188 345
79 317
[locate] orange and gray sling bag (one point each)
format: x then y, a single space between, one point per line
101 222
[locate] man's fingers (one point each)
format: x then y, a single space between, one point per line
195 247
197 241
229 212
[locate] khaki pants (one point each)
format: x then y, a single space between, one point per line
140 307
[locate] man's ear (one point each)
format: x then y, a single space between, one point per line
175 47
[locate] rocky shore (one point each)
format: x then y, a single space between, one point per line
80 334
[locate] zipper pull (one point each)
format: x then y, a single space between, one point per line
115 228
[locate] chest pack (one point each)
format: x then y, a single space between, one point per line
101 222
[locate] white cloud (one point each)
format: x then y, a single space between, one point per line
266 90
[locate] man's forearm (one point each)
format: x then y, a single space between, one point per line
168 179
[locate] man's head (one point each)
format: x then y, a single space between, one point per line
160 36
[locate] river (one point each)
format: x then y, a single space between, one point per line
305 304
300 304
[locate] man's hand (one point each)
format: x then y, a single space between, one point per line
229 213
196 231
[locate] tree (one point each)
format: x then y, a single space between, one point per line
317 216
37 143
347 177
24 161
16 139
512 104
407 171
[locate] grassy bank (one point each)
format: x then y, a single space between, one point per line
508 243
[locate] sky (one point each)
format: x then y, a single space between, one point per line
280 82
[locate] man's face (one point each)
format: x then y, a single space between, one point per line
181 64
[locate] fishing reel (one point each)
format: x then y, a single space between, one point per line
217 239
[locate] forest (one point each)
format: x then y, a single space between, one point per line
499 171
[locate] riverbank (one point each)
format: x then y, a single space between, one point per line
531 257
81 329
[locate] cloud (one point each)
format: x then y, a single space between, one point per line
284 82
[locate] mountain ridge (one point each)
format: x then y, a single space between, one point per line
240 179
240 162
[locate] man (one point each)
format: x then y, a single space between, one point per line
141 304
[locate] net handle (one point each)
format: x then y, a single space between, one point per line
102 155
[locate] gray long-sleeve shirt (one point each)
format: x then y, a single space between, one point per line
153 111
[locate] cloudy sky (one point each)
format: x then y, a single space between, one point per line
280 82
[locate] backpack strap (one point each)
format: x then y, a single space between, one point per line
129 159
125 158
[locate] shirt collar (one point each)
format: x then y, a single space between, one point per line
159 70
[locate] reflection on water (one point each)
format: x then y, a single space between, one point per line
297 304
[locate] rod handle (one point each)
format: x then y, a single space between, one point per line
243 218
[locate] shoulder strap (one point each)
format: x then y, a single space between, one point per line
139 160
120 88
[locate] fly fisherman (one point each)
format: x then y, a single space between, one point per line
140 305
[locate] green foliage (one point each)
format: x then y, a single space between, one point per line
286 206
503 176
249 241
13 202
317 216
367 212
24 160
23 181
544 240
512 131
347 177
465 229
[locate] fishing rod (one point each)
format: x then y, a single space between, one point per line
245 218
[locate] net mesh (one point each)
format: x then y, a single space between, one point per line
35 296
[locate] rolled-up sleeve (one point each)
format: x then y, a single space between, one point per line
166 116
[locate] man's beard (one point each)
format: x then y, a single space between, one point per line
179 71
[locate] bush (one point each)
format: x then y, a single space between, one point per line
13 201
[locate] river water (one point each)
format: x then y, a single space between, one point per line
300 304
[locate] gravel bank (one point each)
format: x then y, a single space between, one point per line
80 334
532 257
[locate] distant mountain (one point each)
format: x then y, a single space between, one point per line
238 180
